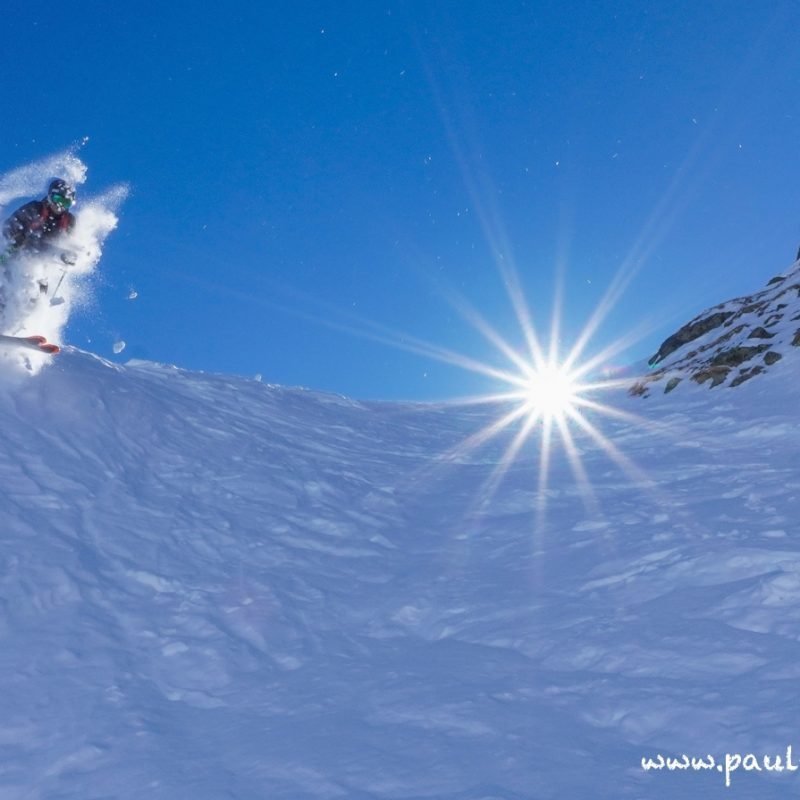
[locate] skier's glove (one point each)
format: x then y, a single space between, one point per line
69 258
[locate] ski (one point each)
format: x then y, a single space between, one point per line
39 343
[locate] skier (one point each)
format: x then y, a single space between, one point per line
36 226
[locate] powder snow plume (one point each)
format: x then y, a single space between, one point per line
28 309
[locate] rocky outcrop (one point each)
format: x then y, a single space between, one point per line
731 342
690 332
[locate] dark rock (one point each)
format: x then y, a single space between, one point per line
754 307
796 340
776 279
771 358
760 333
671 384
689 333
746 374
716 374
724 338
737 355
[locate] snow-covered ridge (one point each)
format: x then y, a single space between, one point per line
731 342
215 588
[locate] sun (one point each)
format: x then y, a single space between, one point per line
551 393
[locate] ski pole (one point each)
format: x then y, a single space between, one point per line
60 281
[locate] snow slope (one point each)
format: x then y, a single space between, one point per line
214 588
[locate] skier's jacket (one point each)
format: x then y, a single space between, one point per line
34 226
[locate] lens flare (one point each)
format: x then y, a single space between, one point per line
551 392
541 400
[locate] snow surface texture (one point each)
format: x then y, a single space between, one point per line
215 588
732 342
25 309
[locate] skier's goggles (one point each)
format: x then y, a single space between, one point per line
60 200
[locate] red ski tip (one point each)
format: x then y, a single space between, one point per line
43 345
39 343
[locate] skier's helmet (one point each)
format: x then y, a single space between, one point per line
60 195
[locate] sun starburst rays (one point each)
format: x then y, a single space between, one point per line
551 404
543 399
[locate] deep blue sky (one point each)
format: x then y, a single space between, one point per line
291 161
